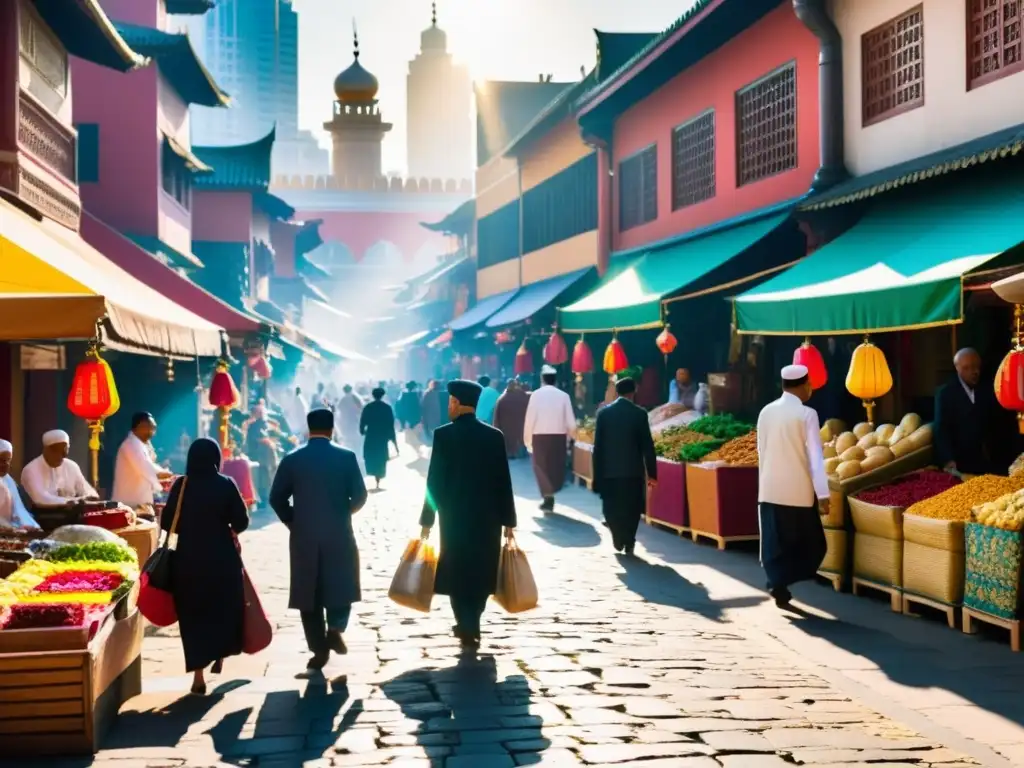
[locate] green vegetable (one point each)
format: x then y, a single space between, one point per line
722 426
697 451
102 551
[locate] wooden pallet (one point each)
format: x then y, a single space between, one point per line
721 541
970 615
833 578
586 482
895 593
654 522
911 600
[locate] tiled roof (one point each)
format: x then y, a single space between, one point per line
178 62
240 167
458 222
505 108
189 7
614 49
86 32
192 163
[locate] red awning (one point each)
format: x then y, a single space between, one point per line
141 265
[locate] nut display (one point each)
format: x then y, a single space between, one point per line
958 502
739 452
1006 512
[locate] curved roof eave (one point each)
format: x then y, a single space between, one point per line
87 32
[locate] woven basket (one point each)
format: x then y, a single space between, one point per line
937 574
836 517
876 520
877 559
841 489
935 534
835 557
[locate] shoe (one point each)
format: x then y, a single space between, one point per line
628 549
782 596
317 662
199 689
336 642
470 641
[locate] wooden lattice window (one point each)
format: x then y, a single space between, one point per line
41 50
993 40
766 126
892 67
638 189
693 161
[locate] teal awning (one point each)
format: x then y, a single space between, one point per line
533 298
481 311
630 294
900 267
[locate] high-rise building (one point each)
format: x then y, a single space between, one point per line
439 96
252 47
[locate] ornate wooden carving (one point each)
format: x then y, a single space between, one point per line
48 200
42 136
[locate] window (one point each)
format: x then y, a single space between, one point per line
638 189
562 206
693 161
993 40
766 126
42 52
498 236
176 179
892 67
88 152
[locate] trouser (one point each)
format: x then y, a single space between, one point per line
623 502
468 609
316 624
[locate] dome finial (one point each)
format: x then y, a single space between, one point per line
433 14
355 40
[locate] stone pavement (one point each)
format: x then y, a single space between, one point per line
671 660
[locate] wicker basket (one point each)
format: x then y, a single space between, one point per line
878 560
835 556
934 534
876 520
937 574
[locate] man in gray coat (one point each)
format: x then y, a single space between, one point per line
317 489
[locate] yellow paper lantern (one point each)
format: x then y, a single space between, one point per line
869 377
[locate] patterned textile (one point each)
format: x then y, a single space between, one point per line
993 581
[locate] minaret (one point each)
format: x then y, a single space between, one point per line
356 128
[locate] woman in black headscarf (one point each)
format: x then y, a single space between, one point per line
207 572
377 425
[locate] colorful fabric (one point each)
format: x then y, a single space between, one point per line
993 578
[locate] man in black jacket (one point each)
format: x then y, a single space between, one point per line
623 459
973 435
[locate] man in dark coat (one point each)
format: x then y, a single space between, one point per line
317 489
469 485
624 459
510 416
973 434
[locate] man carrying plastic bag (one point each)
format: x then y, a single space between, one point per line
469 485
413 584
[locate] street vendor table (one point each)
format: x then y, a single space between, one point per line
722 502
583 463
142 537
668 505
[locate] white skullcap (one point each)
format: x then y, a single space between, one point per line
794 372
55 436
6 447
547 370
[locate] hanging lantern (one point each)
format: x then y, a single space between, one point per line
224 396
524 361
615 358
94 397
582 358
1009 381
502 337
810 358
260 366
868 378
666 341
555 351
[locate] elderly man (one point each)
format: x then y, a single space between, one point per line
973 435
52 479
681 390
137 476
550 424
13 512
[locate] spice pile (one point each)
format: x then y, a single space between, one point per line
909 490
670 442
957 502
741 452
1005 513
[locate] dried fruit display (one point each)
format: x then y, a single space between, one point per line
909 490
957 502
739 452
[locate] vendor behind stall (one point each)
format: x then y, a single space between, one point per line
681 390
13 513
52 479
973 435
137 476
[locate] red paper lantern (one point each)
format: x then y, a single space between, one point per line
582 357
808 356
223 392
502 337
1009 381
524 360
555 351
93 393
666 341
615 358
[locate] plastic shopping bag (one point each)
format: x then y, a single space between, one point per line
413 584
517 591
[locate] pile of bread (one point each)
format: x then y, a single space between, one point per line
866 448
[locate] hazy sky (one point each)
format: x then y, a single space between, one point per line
498 39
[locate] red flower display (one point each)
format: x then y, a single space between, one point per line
555 351
582 358
666 341
524 360
80 581
615 358
808 356
44 616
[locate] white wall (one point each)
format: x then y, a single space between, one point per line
951 114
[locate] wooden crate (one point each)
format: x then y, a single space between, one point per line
722 502
62 702
667 505
583 463
971 615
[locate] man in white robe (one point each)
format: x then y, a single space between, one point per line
13 513
137 475
52 479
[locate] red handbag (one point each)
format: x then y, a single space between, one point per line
256 629
157 605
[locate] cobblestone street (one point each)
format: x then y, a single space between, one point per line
671 660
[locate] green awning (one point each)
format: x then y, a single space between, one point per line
900 267
630 294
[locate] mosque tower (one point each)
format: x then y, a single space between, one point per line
439 94
356 128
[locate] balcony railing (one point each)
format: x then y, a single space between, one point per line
45 138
